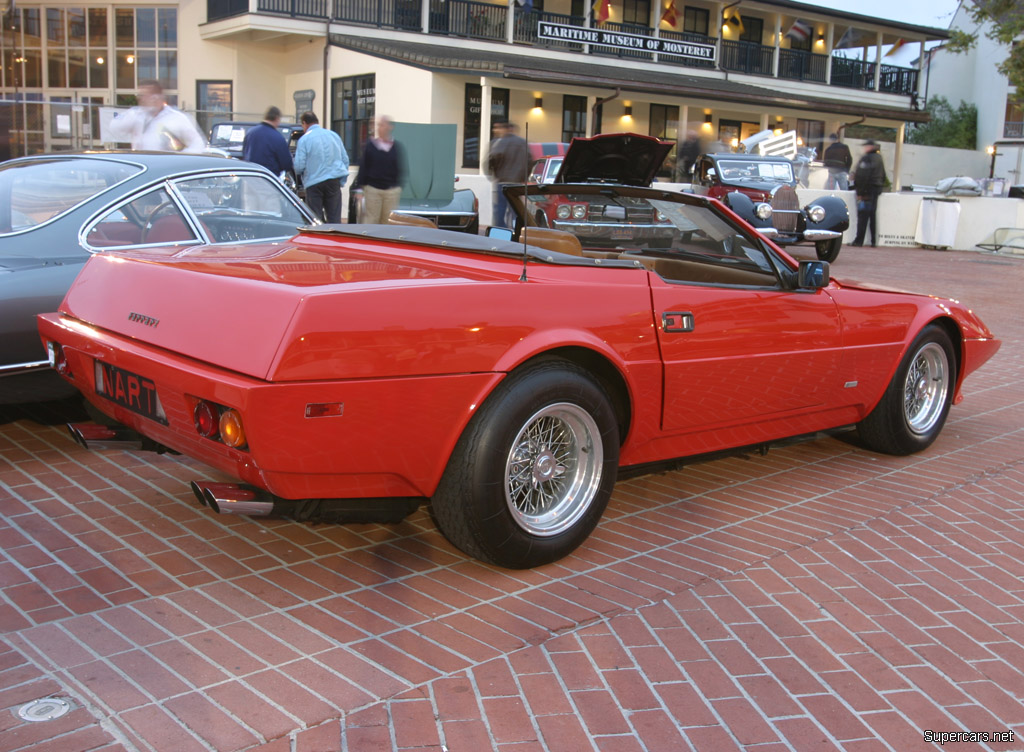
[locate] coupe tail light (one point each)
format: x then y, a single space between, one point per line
231 431
58 360
206 419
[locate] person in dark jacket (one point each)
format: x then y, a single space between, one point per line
868 180
381 174
265 145
838 160
506 163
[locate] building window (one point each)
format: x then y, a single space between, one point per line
471 120
753 30
1013 123
665 125
353 103
636 12
146 41
695 20
574 117
813 134
213 103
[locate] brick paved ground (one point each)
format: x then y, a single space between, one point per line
819 598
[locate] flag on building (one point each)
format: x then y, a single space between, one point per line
602 11
896 47
800 31
670 15
526 5
732 17
852 38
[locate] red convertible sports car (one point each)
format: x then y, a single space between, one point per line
357 371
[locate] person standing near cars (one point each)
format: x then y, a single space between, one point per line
838 160
381 174
265 145
154 125
868 181
506 163
322 162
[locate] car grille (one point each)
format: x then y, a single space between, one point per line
634 214
785 209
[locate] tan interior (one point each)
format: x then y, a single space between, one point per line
410 220
559 241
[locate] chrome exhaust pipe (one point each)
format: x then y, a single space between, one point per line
96 436
234 498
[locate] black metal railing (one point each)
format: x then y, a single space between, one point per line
524 30
295 8
686 36
895 80
626 29
747 57
799 65
852 73
467 18
218 9
1013 129
384 14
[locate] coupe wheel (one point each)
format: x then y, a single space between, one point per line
532 473
828 250
914 407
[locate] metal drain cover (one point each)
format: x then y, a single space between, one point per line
47 709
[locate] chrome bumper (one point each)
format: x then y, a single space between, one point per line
821 234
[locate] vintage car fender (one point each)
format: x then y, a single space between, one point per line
743 206
837 214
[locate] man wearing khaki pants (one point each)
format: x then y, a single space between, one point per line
380 174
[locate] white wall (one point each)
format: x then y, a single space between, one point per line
926 165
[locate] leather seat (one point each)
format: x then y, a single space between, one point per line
559 241
410 220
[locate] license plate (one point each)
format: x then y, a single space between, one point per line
129 390
622 233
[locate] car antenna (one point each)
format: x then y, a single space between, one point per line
526 199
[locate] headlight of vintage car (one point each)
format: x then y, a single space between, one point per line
579 211
563 211
816 213
763 211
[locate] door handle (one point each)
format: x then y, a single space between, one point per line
677 321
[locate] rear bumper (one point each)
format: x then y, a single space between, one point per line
393 438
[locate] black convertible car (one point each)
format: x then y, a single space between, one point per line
57 209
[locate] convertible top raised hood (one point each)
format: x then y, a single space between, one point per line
622 158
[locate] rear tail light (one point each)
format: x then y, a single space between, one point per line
231 431
206 419
58 360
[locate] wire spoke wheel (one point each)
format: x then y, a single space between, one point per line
924 390
553 469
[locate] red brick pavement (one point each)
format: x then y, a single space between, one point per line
821 597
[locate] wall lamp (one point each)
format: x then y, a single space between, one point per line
538 103
628 112
707 118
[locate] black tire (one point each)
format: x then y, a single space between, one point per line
483 503
913 410
828 250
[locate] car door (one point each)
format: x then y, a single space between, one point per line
737 346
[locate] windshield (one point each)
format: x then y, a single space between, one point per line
32 193
652 228
752 169
229 134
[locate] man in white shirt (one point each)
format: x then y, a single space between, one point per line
156 126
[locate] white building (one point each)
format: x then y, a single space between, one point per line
974 77
662 67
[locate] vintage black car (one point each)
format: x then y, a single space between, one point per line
56 210
762 190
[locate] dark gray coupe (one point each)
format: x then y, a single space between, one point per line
58 209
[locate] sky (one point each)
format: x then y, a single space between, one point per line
921 12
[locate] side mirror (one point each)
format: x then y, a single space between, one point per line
500 233
813 275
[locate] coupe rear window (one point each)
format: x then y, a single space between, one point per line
32 193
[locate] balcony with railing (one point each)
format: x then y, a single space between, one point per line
798 65
747 57
474 19
1013 129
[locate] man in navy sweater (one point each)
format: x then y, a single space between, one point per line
265 145
381 173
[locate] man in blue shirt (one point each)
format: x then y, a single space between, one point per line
265 145
322 161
